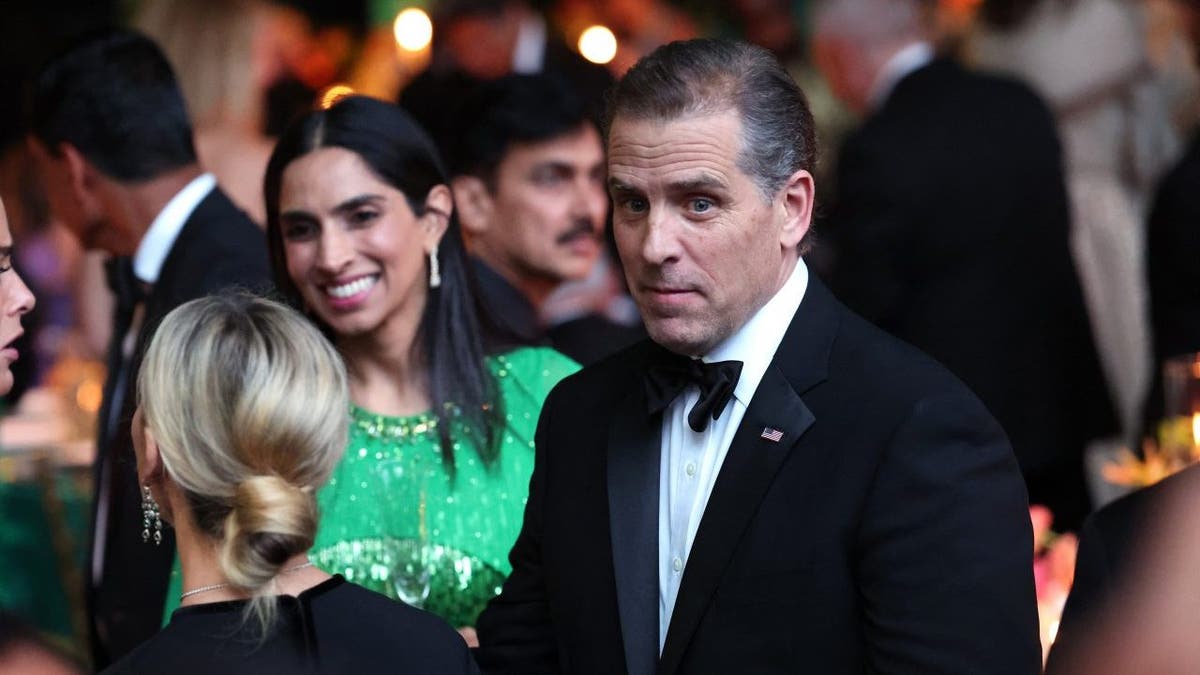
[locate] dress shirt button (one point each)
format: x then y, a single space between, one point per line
690 469
677 564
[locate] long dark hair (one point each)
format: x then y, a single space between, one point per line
401 154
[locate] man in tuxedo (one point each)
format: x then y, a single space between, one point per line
528 167
113 142
769 484
951 232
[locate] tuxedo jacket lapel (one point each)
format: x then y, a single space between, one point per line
633 466
750 466
753 460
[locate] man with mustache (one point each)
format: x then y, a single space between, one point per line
528 184
769 484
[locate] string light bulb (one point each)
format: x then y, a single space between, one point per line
598 44
413 29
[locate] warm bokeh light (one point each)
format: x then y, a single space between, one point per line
334 94
413 29
88 396
598 44
1196 429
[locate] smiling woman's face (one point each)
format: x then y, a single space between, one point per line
354 249
15 301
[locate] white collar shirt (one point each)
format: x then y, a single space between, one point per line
151 253
690 462
529 54
903 63
164 230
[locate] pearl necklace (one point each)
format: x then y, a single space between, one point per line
213 587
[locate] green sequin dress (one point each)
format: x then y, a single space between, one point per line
468 522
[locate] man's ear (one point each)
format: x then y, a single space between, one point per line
795 204
83 177
474 202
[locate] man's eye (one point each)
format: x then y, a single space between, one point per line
636 205
548 178
702 205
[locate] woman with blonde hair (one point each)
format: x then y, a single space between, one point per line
241 419
225 53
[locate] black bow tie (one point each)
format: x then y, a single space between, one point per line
671 373
124 283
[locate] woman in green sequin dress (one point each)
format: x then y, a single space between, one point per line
361 238
472 518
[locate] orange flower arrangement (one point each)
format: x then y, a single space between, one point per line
1178 447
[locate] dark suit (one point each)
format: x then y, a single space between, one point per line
218 247
514 321
951 228
887 530
1109 544
1172 252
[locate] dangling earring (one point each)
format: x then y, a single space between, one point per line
435 275
150 514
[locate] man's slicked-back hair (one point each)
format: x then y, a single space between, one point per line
112 95
708 76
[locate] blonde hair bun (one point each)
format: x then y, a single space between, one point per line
249 405
271 521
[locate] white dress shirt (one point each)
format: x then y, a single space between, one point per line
902 64
690 461
158 240
147 265
529 54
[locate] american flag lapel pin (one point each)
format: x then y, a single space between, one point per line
773 435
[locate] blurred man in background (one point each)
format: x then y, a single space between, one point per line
951 232
113 142
483 40
528 183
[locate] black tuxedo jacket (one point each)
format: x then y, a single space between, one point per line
886 531
951 228
218 247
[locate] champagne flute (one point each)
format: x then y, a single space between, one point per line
405 538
